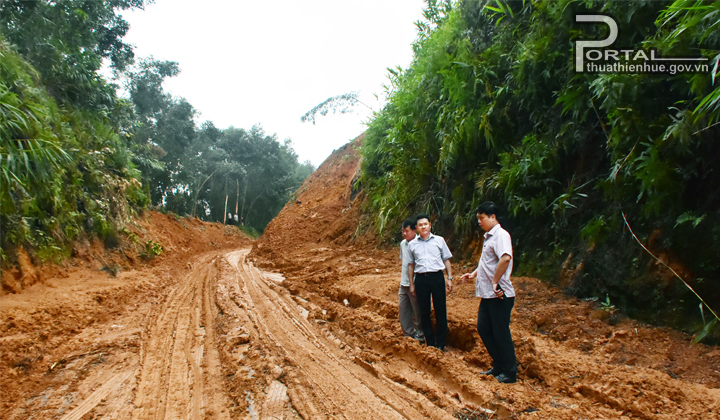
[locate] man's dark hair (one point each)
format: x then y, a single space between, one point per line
488 208
409 222
422 216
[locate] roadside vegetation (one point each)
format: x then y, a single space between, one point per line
492 109
78 158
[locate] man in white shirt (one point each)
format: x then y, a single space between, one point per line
429 255
407 303
493 285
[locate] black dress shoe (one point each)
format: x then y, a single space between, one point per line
492 372
504 378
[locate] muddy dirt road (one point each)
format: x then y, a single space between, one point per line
219 338
221 341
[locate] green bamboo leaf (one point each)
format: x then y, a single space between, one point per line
506 8
689 217
705 331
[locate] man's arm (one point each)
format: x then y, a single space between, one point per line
499 271
411 275
448 268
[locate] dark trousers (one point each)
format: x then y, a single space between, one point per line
427 286
493 325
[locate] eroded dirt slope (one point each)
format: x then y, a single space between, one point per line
576 359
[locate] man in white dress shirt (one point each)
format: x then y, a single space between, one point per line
493 285
429 255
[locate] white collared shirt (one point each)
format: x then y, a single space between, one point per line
428 255
497 243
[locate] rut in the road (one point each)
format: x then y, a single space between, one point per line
225 341
323 379
180 375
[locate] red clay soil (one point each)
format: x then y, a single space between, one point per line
200 332
577 360
69 322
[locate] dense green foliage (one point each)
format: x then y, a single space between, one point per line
492 109
66 170
78 160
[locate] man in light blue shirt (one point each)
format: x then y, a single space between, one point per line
429 255
407 303
493 285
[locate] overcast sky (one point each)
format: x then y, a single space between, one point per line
269 62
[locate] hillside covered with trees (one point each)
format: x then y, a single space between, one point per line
491 108
78 157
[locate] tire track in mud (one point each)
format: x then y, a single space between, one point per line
99 395
178 377
323 380
222 341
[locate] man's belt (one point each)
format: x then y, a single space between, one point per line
428 273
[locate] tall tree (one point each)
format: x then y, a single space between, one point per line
67 42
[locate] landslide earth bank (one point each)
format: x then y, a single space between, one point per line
576 360
179 238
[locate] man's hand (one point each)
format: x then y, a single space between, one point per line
412 289
466 276
499 271
448 268
498 292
